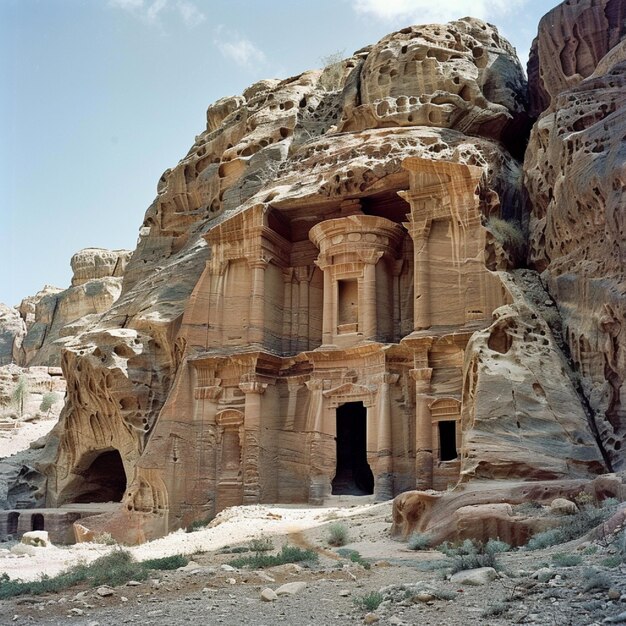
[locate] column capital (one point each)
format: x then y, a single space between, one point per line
253 387
258 263
421 374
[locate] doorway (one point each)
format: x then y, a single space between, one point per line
353 476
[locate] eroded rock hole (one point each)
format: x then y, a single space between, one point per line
354 475
104 480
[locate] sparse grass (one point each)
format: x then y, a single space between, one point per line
166 562
332 74
471 555
370 601
576 525
595 580
354 556
288 554
337 534
234 550
419 541
612 561
113 569
495 610
105 538
567 560
261 544
508 234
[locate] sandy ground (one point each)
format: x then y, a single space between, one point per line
210 591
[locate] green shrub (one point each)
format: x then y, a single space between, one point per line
576 525
166 562
113 569
612 561
48 400
288 554
596 580
471 555
370 601
354 556
419 541
337 534
567 560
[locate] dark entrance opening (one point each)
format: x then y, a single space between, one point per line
12 521
103 481
447 440
354 476
36 522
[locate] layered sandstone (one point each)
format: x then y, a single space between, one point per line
313 307
576 177
53 316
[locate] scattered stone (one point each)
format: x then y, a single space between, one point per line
616 619
190 567
231 581
105 591
371 618
227 568
133 583
614 594
477 576
563 506
344 593
266 577
268 595
290 589
424 597
76 611
543 575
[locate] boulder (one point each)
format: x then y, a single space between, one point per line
476 577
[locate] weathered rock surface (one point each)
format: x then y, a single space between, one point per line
270 166
12 331
460 75
312 308
571 41
575 177
516 419
60 315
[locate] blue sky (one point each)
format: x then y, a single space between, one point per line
99 97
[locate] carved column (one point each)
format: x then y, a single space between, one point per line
383 486
319 481
421 317
252 441
423 429
367 306
303 275
257 301
287 327
328 312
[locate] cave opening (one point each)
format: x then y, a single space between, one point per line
353 475
103 480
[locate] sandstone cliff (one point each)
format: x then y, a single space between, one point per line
342 239
575 176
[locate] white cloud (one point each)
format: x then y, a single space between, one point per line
238 48
190 14
426 11
151 11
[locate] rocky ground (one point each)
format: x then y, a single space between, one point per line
531 587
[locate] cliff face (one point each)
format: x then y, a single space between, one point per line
574 172
218 375
340 245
